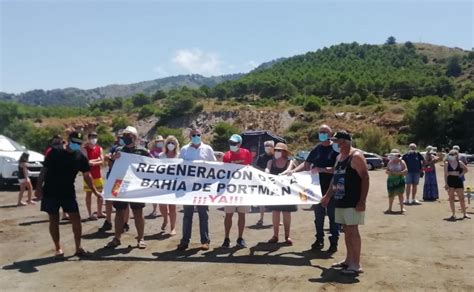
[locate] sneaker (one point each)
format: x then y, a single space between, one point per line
126 227
332 248
182 246
106 226
406 202
241 243
317 245
415 202
226 243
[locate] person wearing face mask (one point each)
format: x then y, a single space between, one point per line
236 155
157 147
94 153
454 169
396 170
430 188
321 160
130 139
196 150
262 162
109 204
55 186
278 165
349 187
414 161
170 150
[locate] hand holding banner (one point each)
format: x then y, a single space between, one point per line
137 178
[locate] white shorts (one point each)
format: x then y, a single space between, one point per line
23 180
239 209
349 216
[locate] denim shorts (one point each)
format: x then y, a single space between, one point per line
412 178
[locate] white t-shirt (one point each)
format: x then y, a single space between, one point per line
203 152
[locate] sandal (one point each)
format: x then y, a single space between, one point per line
452 218
466 217
141 244
274 239
340 265
289 241
113 243
259 223
163 226
352 271
81 253
388 212
59 255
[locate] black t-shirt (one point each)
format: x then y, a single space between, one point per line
262 161
139 150
62 168
323 156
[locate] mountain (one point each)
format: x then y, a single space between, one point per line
80 97
343 70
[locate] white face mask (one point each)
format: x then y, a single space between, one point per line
277 155
233 148
94 141
159 144
170 146
451 158
268 149
412 151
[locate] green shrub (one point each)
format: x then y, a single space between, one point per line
106 138
178 133
222 132
119 122
374 140
296 126
146 111
312 104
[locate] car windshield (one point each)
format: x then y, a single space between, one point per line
7 144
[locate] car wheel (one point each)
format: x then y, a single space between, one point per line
370 166
2 182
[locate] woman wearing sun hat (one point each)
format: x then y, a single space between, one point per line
396 170
430 188
275 166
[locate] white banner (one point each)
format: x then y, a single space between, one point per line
137 178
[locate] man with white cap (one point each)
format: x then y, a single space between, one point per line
414 161
236 155
130 139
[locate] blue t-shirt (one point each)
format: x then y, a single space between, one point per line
414 162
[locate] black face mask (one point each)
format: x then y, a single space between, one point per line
127 140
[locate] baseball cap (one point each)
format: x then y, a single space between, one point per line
76 137
342 135
131 130
235 138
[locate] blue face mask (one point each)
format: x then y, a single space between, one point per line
323 137
121 142
234 148
74 146
196 140
335 147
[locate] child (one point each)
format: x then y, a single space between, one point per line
24 180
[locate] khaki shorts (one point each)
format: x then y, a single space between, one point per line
98 183
239 209
349 216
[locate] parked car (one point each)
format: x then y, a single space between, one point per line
374 161
10 152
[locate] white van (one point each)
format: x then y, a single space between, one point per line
10 152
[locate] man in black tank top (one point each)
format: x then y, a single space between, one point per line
349 187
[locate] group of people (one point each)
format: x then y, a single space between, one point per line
342 169
404 173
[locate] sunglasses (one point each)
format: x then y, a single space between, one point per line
278 150
172 143
233 143
194 135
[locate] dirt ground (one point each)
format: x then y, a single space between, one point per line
416 251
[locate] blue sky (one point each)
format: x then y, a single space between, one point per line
86 44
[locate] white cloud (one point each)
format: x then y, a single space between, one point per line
252 64
160 71
196 61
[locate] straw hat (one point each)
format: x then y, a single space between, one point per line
282 147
